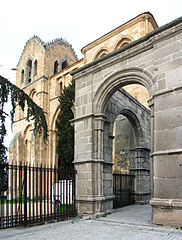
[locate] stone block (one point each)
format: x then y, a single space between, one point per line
168 188
80 148
84 208
170 68
83 110
167 216
166 50
168 120
173 77
161 76
85 101
163 60
163 43
168 139
177 55
87 133
88 147
168 166
108 176
168 101
162 84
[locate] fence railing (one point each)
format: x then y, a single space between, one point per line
31 194
123 189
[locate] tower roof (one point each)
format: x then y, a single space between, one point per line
49 44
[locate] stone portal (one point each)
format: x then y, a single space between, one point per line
155 62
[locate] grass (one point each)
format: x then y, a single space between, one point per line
16 201
64 208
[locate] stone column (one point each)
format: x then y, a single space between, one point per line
140 168
166 201
98 136
103 152
151 105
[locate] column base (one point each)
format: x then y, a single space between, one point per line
142 197
167 211
94 205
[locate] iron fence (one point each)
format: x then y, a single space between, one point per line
33 194
123 189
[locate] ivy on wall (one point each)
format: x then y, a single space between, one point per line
18 97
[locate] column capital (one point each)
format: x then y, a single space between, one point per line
99 121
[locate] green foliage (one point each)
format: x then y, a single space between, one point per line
18 97
65 135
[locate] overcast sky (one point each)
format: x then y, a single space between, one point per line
78 21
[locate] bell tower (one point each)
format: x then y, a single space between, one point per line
38 62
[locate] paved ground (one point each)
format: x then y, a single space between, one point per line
128 223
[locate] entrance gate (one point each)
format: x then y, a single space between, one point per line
31 195
123 190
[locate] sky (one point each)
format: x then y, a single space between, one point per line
78 21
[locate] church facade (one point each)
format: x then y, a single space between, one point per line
44 69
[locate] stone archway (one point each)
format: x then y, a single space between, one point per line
93 149
123 103
153 61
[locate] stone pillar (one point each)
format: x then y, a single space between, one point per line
166 156
98 136
140 168
94 193
151 105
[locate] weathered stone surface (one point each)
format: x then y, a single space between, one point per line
168 101
168 139
167 212
168 187
168 166
168 119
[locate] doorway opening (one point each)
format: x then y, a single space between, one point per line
128 127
